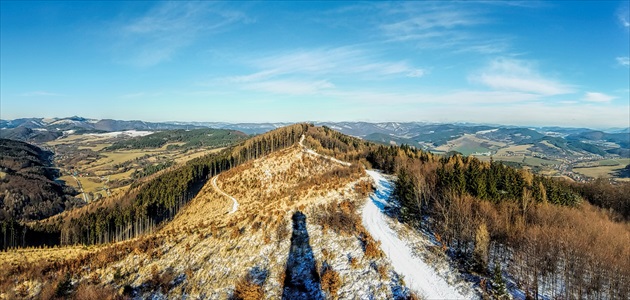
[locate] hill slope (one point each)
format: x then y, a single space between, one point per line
28 190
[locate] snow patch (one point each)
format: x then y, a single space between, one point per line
486 131
130 133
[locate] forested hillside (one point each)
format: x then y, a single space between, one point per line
28 190
189 139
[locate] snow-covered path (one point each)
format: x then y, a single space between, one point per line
234 202
418 276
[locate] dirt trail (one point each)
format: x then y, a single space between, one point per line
234 202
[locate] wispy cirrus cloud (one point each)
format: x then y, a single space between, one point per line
310 71
441 26
623 61
329 62
507 74
157 35
40 94
597 97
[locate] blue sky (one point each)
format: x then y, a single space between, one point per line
522 63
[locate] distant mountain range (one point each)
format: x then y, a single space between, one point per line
425 135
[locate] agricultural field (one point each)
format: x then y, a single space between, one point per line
89 163
514 150
470 144
601 171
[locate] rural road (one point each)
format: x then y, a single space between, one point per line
85 198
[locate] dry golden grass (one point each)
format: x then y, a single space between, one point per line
597 172
516 149
32 255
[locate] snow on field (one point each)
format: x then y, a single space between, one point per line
418 275
486 131
130 133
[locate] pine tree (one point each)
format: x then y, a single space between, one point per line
499 289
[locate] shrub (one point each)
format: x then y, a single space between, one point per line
91 291
247 289
64 286
341 218
371 247
354 262
382 270
282 232
331 281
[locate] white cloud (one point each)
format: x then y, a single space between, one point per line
291 87
597 97
528 114
623 16
168 27
624 61
506 74
472 106
426 21
39 94
416 73
451 98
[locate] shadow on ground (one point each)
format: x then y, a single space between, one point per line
301 280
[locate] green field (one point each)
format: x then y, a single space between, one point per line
615 162
537 162
468 149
